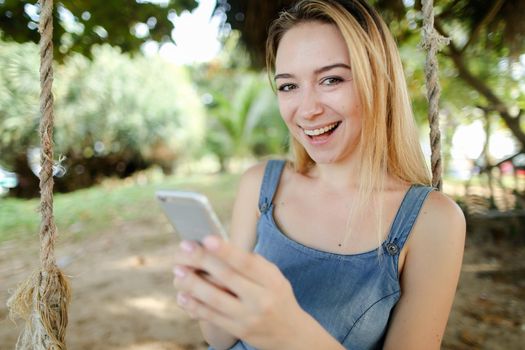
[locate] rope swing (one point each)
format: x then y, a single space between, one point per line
432 42
43 299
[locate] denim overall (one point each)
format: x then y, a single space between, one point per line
351 296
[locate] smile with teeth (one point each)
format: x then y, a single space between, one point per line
320 131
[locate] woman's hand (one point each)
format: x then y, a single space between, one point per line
240 292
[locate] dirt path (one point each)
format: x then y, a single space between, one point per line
123 296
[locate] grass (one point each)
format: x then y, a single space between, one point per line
95 209
92 210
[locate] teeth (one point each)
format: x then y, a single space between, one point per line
316 132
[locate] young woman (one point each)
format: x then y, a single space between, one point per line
346 246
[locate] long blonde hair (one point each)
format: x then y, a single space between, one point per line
389 142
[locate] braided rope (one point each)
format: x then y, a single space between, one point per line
47 229
432 42
43 299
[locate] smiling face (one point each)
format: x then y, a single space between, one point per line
317 96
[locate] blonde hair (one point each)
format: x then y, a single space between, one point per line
389 142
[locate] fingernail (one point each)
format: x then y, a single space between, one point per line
187 246
211 242
180 273
181 299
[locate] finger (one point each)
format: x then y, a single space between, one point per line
202 311
206 276
252 266
188 253
185 302
191 255
207 293
189 304
220 272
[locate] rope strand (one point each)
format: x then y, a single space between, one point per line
47 228
43 299
432 42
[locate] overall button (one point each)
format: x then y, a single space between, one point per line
392 248
264 207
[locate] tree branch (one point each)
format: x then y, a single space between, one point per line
448 10
495 103
487 19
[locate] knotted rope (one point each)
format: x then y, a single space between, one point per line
43 299
432 42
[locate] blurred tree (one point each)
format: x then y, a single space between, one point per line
243 117
114 114
247 124
78 25
476 18
19 93
487 40
252 19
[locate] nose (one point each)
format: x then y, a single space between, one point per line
310 104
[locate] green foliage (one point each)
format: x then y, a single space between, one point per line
116 103
243 116
79 25
110 112
246 123
19 93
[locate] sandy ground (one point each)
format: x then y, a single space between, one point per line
123 296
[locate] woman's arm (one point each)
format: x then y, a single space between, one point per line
242 234
249 297
429 277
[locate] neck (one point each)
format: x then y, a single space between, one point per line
344 177
337 177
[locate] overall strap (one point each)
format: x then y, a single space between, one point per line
405 218
272 175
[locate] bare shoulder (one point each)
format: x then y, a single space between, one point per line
440 219
251 179
440 205
245 209
439 231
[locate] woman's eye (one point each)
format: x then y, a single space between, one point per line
331 81
286 87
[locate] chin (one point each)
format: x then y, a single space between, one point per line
323 158
333 156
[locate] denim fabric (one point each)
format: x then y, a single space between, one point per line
351 296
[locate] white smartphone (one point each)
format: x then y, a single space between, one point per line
191 214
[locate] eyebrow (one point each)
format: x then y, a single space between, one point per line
317 71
